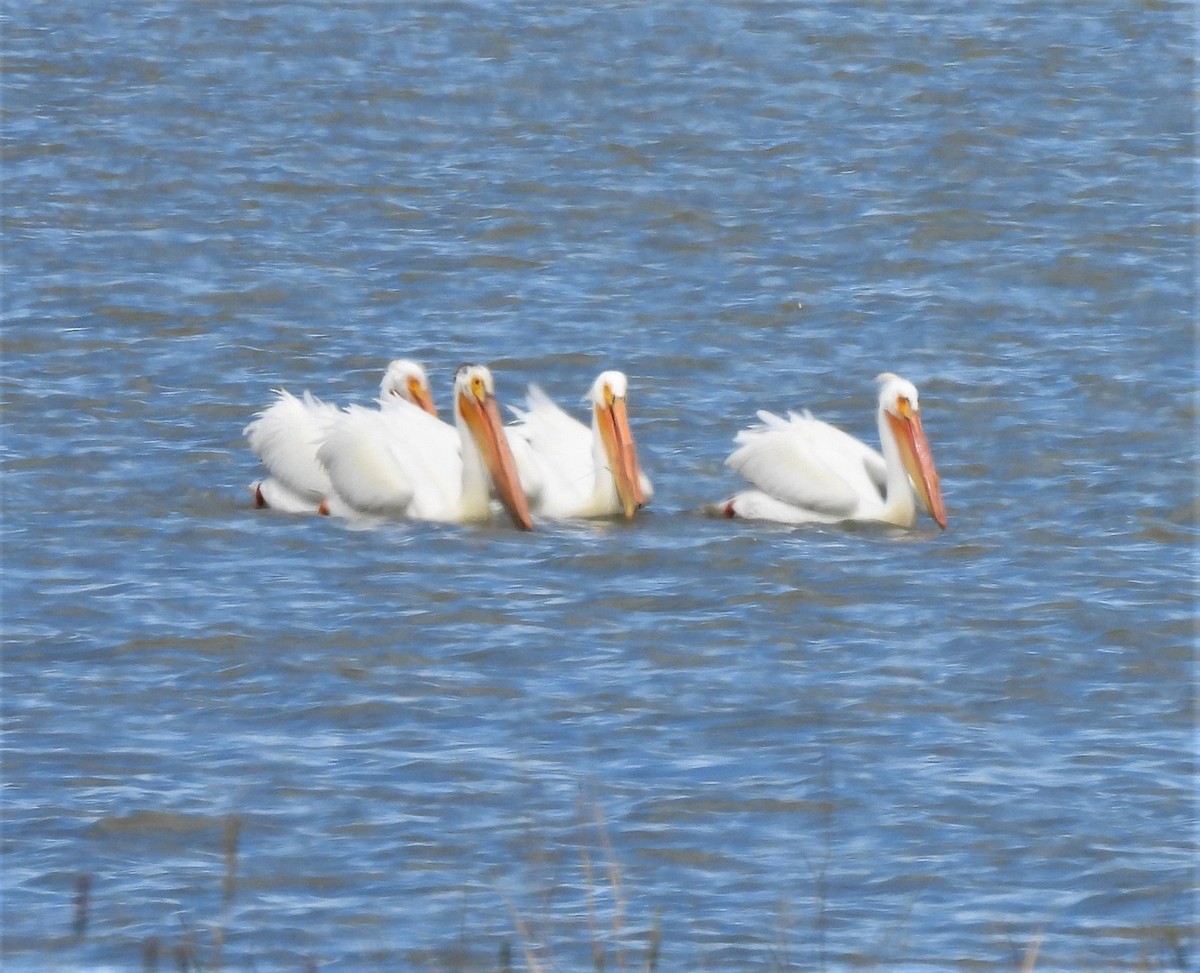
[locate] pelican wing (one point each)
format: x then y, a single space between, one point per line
359 458
532 469
851 458
779 459
561 446
398 460
429 453
285 436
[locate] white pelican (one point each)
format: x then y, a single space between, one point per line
286 434
582 472
807 471
407 379
401 462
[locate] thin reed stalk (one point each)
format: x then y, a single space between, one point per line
230 836
83 896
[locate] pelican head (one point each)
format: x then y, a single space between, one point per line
612 420
476 408
899 404
408 380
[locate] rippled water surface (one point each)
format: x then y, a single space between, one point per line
266 742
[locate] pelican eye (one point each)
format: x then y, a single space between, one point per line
477 387
904 405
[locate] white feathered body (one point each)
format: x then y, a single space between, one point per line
806 471
564 463
397 461
285 436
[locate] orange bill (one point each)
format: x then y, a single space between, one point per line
484 422
421 395
918 462
621 451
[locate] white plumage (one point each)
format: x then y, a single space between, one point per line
402 462
805 470
576 471
285 437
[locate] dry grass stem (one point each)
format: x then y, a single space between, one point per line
1031 953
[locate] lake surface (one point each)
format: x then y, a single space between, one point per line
279 743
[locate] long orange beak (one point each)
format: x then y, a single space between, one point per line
484 422
613 421
918 461
421 396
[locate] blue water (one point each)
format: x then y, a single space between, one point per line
691 744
